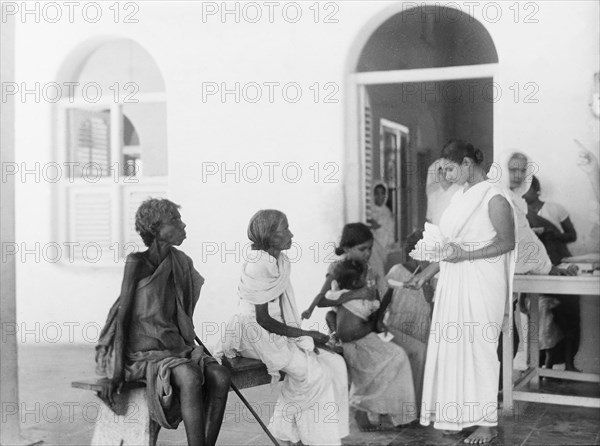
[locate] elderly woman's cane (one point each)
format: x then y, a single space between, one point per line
239 394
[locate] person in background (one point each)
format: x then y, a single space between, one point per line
439 192
554 228
532 258
382 226
551 222
409 312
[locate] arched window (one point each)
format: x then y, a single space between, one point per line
112 142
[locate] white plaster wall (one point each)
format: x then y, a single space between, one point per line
560 54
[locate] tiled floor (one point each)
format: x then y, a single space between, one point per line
54 412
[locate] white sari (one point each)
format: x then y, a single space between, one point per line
384 235
460 386
313 404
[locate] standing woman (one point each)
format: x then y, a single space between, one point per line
312 406
460 387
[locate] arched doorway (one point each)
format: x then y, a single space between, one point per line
430 71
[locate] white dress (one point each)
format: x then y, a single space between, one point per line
312 406
460 387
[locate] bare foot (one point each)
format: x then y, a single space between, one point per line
483 434
364 425
447 433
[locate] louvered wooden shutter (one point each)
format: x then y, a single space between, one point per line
91 140
368 151
91 223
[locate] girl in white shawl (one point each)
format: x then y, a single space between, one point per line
460 387
313 404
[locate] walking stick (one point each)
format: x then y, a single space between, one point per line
244 400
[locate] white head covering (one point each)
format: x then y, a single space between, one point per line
386 193
500 173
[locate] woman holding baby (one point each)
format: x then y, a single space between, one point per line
380 370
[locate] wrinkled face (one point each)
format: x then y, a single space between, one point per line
458 173
282 238
379 196
517 171
172 230
360 252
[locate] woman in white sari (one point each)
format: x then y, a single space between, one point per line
477 232
313 403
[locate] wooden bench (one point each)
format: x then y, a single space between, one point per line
128 422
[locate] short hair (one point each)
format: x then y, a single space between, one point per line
353 234
457 150
348 272
150 216
262 226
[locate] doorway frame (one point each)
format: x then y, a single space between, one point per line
354 183
396 191
355 96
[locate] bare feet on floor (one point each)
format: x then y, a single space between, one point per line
447 433
483 434
364 425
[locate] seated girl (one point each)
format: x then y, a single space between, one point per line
149 334
312 406
409 312
380 372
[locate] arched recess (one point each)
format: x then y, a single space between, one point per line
428 70
110 142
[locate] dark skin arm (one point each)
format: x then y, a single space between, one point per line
501 216
265 320
321 301
567 236
550 232
387 298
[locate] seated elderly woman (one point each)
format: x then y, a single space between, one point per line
312 406
149 334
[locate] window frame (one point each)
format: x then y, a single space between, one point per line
119 187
